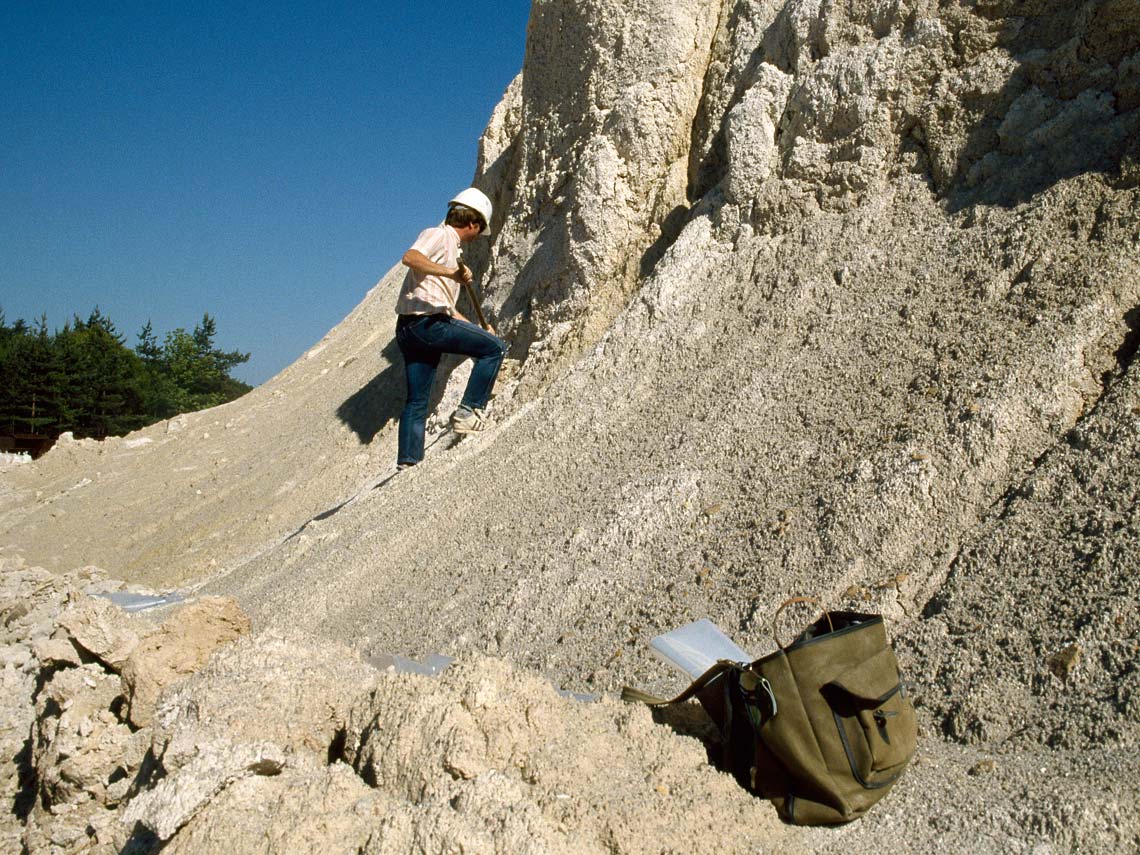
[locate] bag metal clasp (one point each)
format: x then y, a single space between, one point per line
758 690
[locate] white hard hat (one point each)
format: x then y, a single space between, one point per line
477 201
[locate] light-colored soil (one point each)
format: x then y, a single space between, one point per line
803 300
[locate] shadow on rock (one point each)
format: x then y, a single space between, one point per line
691 720
371 408
25 797
381 400
142 841
671 228
1069 107
1126 354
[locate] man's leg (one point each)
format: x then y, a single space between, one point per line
420 364
487 351
419 377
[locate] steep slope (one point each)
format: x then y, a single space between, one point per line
826 390
808 297
183 498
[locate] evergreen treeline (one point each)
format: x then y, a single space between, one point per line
83 378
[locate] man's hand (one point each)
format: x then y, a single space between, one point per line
463 274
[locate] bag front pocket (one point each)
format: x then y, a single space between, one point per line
875 719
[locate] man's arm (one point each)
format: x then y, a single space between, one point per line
423 265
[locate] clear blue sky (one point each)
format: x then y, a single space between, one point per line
263 162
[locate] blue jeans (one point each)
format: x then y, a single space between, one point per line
423 339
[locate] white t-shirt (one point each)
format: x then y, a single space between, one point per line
424 294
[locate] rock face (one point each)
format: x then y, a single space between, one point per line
302 747
588 158
98 629
179 648
805 297
1060 668
73 757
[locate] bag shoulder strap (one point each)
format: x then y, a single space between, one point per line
628 693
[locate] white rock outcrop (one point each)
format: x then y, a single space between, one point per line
804 297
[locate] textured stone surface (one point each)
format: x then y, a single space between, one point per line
807 297
260 706
101 629
524 770
308 747
484 759
268 689
72 761
319 810
79 741
17 716
178 649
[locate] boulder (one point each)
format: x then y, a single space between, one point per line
327 810
56 653
216 765
489 758
178 649
261 707
79 744
17 717
264 688
100 628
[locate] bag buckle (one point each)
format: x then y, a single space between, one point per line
758 691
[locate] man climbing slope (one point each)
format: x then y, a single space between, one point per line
429 324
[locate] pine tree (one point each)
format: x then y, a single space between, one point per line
159 394
7 372
84 379
148 348
31 365
106 380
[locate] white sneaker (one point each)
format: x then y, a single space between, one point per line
465 420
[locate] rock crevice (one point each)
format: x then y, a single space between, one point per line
805 297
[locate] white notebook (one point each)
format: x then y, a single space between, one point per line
696 647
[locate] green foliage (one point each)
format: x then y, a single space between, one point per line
189 372
28 363
83 378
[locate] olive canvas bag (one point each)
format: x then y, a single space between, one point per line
822 727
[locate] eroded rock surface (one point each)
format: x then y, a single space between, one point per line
176 650
301 746
804 297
